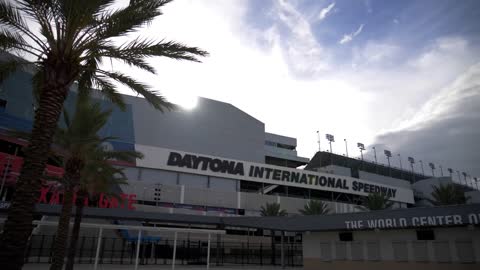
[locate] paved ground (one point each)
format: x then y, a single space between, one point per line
152 267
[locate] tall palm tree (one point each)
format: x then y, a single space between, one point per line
74 38
77 140
376 201
449 194
272 210
98 175
315 207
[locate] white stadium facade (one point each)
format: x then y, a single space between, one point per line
213 167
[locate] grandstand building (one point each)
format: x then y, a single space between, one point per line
213 162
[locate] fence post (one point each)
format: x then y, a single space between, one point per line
208 252
138 248
261 254
41 248
81 250
174 250
99 243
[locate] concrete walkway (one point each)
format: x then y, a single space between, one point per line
46 266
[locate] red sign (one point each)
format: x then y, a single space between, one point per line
104 201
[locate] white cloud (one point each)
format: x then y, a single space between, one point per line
324 12
263 79
349 37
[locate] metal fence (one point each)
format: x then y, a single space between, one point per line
115 250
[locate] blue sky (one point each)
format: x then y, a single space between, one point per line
388 73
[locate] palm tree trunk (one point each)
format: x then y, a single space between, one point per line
73 168
18 226
62 231
76 229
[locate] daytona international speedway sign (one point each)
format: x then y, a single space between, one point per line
161 158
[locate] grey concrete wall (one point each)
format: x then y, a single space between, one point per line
212 127
451 246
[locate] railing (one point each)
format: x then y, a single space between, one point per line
115 250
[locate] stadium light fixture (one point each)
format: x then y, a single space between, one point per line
330 139
346 147
459 178
318 136
432 166
361 146
412 161
388 154
465 177
375 153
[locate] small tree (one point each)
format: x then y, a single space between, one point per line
376 201
449 194
315 207
272 210
98 175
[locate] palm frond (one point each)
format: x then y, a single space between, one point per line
153 97
123 21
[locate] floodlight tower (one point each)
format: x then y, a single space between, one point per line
432 166
459 178
441 169
361 146
388 154
318 136
346 147
450 170
412 161
421 164
400 159
330 139
375 153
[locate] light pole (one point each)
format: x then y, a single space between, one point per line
346 147
412 161
432 166
421 164
400 159
318 136
388 154
441 169
330 139
361 147
375 154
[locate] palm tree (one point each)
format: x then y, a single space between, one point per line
98 175
77 140
272 210
74 38
376 201
449 194
315 207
